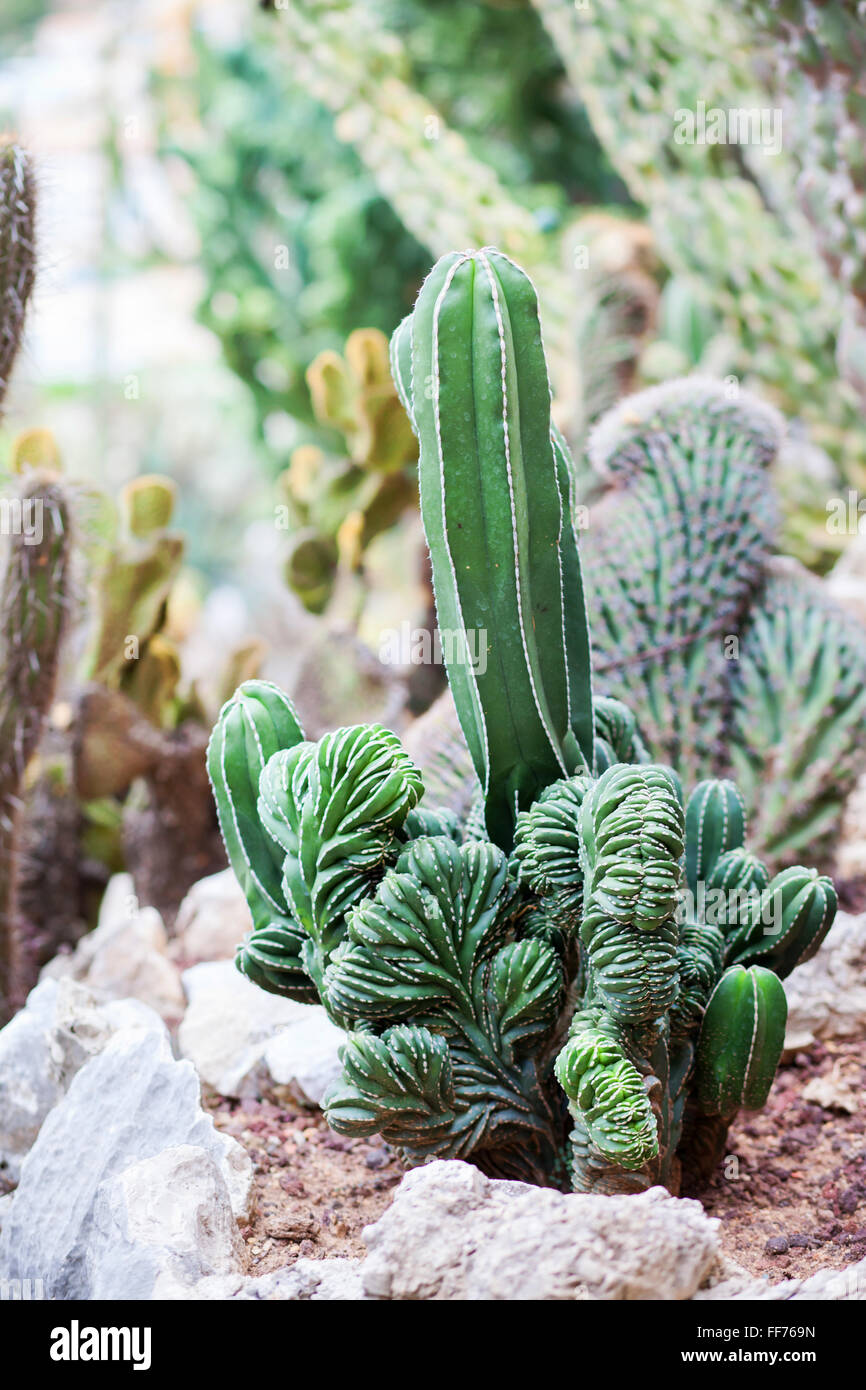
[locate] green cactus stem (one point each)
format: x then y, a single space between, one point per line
17 252
34 614
505 559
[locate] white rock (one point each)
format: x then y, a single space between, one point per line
130 1102
164 1219
245 1042
827 995
227 1024
303 1060
212 919
451 1233
126 955
62 1026
314 1280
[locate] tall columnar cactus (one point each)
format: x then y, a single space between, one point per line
17 252
581 982
495 503
34 611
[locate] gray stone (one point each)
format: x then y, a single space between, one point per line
451 1233
246 1043
62 1025
827 995
130 1102
166 1219
303 1060
125 957
336 1280
212 919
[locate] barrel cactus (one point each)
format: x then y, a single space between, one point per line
579 984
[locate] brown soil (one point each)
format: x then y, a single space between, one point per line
794 1199
315 1190
791 1194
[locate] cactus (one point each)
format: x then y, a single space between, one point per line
142 564
338 506
529 989
723 215
34 611
816 55
738 667
17 252
738 663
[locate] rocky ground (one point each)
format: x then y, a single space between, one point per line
169 1111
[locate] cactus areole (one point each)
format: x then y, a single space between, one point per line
582 985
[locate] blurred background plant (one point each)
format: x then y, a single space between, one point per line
238 204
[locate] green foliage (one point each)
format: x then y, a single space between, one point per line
541 989
816 55
723 213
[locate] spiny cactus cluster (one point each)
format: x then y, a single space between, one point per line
723 214
17 252
738 667
35 533
816 54
339 505
580 985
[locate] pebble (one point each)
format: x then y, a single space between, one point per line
776 1245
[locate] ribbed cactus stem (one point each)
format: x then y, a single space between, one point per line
34 606
495 507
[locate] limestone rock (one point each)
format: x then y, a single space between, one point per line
245 1042
62 1025
126 955
164 1219
129 1103
827 995
452 1233
212 919
305 1280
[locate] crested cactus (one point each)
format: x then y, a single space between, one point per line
737 662
580 983
35 525
17 252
